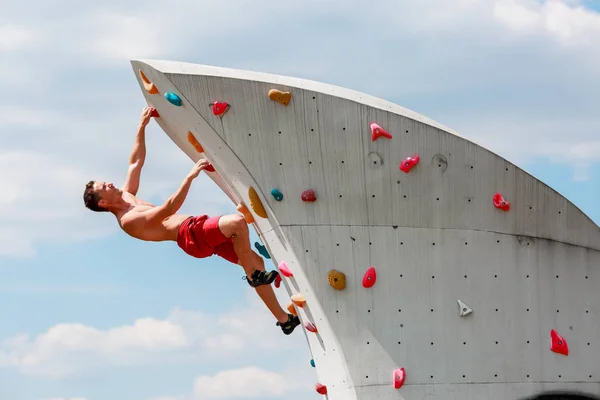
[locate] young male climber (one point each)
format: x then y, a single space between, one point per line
199 236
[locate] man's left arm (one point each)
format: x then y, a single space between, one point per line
138 154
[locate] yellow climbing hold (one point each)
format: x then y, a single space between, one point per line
298 300
280 97
292 309
256 204
149 86
337 279
194 142
244 210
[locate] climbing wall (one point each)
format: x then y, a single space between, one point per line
422 265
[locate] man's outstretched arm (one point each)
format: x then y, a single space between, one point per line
138 154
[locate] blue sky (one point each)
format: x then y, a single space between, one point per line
90 314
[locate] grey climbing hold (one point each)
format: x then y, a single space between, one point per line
375 159
440 162
464 309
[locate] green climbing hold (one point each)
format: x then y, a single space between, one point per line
277 194
312 362
262 250
173 98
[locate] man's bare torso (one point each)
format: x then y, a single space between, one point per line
133 223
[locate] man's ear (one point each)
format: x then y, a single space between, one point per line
102 203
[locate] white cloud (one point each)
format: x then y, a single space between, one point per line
249 382
69 349
14 37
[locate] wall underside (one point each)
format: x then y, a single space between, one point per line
433 236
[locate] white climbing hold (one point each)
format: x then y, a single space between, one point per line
464 309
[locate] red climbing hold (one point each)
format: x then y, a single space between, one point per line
377 132
210 168
278 281
558 344
399 377
310 326
154 113
283 268
500 203
321 389
369 278
309 195
219 108
409 163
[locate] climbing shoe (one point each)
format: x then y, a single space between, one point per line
259 278
288 326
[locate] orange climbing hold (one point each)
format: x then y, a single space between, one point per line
219 108
500 203
337 279
369 278
558 344
298 300
149 86
256 203
192 139
399 377
280 97
292 309
321 389
284 269
244 210
310 327
377 132
409 163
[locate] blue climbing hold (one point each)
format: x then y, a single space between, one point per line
277 194
262 250
173 98
312 362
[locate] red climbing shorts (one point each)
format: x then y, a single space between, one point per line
201 237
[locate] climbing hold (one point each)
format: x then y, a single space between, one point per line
277 194
262 250
440 162
219 108
337 279
500 203
375 160
292 309
298 300
321 389
399 376
283 268
409 163
464 309
256 203
377 132
309 195
173 99
558 344
192 139
280 97
149 86
209 168
154 113
244 210
312 362
310 326
278 281
369 278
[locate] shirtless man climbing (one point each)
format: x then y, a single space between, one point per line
199 236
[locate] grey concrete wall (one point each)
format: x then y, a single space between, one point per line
433 235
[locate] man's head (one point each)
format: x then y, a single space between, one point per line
101 196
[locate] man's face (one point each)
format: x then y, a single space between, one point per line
107 191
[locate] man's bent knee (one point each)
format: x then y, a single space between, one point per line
233 224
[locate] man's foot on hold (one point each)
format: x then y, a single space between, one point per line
260 277
289 326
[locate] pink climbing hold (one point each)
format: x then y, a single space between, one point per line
399 377
500 203
369 278
283 268
310 326
309 195
278 281
558 344
377 132
409 163
219 108
321 389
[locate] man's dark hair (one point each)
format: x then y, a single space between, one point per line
91 198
